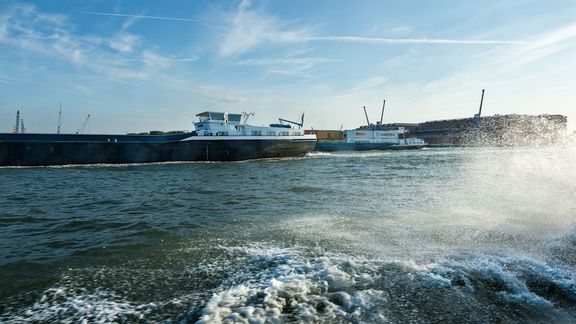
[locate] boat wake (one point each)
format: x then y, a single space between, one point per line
274 284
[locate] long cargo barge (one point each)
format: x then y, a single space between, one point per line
218 137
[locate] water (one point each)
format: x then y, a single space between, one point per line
436 235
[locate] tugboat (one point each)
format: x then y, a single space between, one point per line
218 136
369 137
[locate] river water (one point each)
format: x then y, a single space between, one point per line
436 235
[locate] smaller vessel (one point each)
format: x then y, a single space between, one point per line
369 137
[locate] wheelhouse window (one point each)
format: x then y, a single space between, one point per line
283 133
234 118
216 116
271 133
256 133
209 115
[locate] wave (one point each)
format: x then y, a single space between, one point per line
291 285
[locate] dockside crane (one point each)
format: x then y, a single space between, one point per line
479 114
83 126
382 114
17 126
366 114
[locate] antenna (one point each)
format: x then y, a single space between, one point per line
481 101
365 113
382 115
17 127
59 119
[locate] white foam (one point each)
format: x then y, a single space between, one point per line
273 285
63 304
299 288
292 286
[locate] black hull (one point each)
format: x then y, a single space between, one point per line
28 153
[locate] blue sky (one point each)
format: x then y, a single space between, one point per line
152 65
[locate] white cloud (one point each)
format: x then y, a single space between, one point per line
302 62
249 28
541 46
400 60
220 95
124 42
231 99
297 73
8 81
48 34
402 30
24 28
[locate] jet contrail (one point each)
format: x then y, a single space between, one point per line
385 41
138 16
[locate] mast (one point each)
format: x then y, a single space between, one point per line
382 115
366 114
17 127
59 119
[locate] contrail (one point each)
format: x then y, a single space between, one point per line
139 16
385 41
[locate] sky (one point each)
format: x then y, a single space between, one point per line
153 65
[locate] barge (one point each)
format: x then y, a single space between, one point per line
217 136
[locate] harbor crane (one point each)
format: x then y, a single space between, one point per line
381 115
479 114
83 126
17 126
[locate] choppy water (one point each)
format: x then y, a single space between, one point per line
437 235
